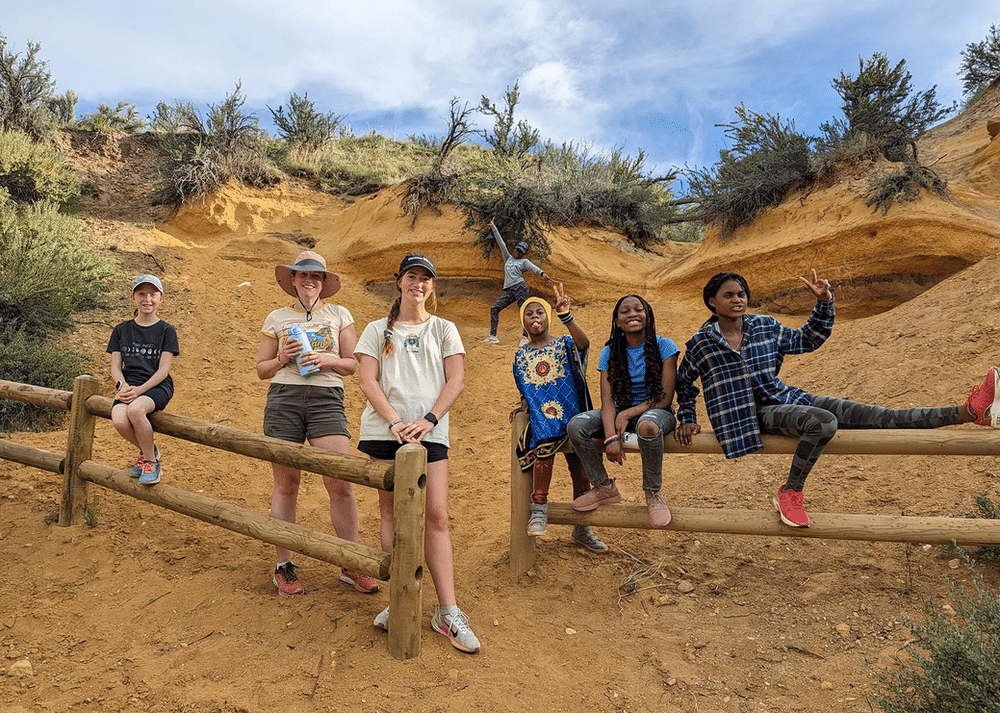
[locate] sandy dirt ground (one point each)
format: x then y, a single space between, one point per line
148 610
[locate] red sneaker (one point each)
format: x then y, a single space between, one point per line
286 581
361 582
983 403
789 505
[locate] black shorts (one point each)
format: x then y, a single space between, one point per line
297 412
159 396
386 450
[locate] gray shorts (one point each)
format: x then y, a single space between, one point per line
296 412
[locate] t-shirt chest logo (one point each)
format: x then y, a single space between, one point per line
411 343
139 350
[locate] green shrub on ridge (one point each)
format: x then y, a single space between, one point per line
29 360
47 273
203 153
35 172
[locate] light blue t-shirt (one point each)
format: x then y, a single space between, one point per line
637 366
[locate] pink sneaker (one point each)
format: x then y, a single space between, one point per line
657 509
789 505
361 582
603 494
983 403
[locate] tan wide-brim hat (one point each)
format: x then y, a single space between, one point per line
307 261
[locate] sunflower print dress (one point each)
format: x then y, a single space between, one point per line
551 380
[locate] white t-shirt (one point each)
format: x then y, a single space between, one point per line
323 331
412 377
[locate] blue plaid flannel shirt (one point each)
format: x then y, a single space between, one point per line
735 382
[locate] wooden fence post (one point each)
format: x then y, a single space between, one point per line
407 566
522 546
79 446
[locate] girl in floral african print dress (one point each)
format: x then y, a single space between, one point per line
549 373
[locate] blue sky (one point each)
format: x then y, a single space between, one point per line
652 75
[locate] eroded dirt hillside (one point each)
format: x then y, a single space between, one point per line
151 611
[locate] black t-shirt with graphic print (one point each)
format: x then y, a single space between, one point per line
141 348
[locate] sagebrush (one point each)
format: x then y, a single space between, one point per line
204 152
33 172
49 273
953 662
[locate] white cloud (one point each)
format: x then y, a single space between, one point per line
612 73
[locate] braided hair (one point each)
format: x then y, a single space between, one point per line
618 373
717 280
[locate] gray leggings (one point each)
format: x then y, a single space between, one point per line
585 427
816 424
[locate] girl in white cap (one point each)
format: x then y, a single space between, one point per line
412 369
309 407
142 350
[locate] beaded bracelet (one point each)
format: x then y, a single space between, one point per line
612 439
565 317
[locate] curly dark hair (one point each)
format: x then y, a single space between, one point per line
618 374
717 280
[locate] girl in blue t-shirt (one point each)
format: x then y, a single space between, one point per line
638 369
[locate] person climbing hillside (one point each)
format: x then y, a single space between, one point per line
515 289
738 356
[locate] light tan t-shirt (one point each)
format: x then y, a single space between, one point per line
323 331
412 377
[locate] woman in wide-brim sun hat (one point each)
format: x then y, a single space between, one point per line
309 407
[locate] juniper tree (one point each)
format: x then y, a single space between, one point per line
767 160
304 125
508 138
880 107
980 63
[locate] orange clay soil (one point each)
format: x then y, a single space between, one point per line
151 611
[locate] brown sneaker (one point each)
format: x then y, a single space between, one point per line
603 494
657 509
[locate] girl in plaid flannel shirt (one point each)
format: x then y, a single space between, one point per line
738 356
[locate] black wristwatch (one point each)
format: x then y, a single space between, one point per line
432 418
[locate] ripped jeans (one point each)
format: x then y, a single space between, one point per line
585 427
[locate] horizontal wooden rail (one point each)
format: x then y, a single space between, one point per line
958 441
318 545
35 457
354 469
884 441
872 528
37 395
